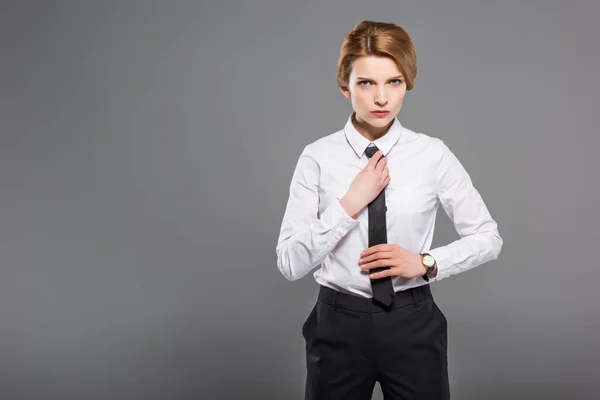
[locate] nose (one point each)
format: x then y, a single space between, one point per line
381 97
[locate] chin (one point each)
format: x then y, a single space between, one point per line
377 122
380 122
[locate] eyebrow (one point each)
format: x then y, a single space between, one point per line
369 79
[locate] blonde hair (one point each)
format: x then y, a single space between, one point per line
378 39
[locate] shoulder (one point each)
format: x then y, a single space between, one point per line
324 145
434 147
448 168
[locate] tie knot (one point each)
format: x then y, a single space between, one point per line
369 151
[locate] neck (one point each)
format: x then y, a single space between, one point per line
369 131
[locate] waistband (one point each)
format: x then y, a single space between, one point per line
368 305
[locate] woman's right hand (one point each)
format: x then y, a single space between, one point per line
366 185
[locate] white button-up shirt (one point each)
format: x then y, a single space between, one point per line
424 173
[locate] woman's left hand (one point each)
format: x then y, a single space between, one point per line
402 262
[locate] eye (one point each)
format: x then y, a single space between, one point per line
398 81
361 83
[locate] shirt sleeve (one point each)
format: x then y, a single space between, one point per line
306 238
479 240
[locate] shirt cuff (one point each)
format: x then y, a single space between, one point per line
335 216
444 262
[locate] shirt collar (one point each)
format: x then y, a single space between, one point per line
359 143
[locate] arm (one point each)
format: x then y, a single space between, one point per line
480 241
305 239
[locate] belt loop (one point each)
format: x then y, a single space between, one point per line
335 295
414 299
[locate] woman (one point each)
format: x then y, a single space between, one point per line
362 205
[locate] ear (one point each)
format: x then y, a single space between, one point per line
345 91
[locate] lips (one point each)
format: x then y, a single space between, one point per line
380 113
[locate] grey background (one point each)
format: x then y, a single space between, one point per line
146 150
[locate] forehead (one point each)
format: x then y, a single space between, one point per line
374 67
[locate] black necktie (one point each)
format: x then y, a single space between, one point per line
383 290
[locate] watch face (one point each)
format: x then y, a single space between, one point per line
428 260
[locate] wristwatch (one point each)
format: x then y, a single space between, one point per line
428 262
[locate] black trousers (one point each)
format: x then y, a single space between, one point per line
353 342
